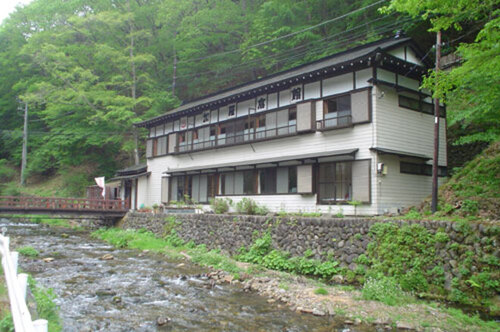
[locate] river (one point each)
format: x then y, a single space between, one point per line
130 292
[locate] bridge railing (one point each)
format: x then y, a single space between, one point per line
62 204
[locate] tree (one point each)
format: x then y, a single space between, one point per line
472 90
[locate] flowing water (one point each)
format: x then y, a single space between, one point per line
131 291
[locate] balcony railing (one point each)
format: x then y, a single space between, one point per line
338 122
249 135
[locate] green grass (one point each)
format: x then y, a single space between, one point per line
320 291
385 290
45 306
458 319
171 245
28 251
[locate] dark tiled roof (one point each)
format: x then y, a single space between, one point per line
287 75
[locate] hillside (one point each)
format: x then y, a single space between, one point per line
474 190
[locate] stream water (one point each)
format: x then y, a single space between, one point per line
131 291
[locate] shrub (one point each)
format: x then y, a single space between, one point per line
413 215
470 207
441 237
385 290
405 253
320 291
28 251
220 205
249 206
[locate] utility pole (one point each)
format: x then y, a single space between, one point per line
435 164
25 143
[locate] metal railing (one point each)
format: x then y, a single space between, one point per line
248 135
338 122
16 285
62 204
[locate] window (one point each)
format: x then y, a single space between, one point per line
232 109
335 182
206 117
249 182
336 112
296 94
268 181
292 179
413 102
421 169
261 103
239 130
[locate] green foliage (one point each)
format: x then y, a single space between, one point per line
441 237
45 305
28 251
404 253
471 89
413 214
320 291
249 206
143 240
220 205
262 253
385 290
339 214
7 324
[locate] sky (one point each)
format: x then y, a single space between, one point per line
8 6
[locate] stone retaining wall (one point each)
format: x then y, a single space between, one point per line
342 238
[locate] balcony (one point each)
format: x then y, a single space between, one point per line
344 121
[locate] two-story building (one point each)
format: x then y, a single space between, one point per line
353 126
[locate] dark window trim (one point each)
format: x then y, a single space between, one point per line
316 182
442 109
277 109
425 169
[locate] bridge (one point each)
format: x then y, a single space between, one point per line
74 207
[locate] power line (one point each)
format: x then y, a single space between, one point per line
315 49
285 36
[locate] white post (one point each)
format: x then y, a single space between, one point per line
14 255
41 325
22 279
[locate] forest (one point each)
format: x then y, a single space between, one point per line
88 70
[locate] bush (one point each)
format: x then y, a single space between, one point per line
220 205
405 253
28 251
249 206
385 290
320 291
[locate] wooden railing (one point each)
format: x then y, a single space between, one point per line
62 204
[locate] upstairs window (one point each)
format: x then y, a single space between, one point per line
232 110
297 94
206 117
261 103
413 102
336 112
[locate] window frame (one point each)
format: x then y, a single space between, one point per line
334 182
321 124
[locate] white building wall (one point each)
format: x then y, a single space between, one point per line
360 136
143 191
406 130
398 190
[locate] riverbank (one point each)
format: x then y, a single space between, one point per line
302 294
